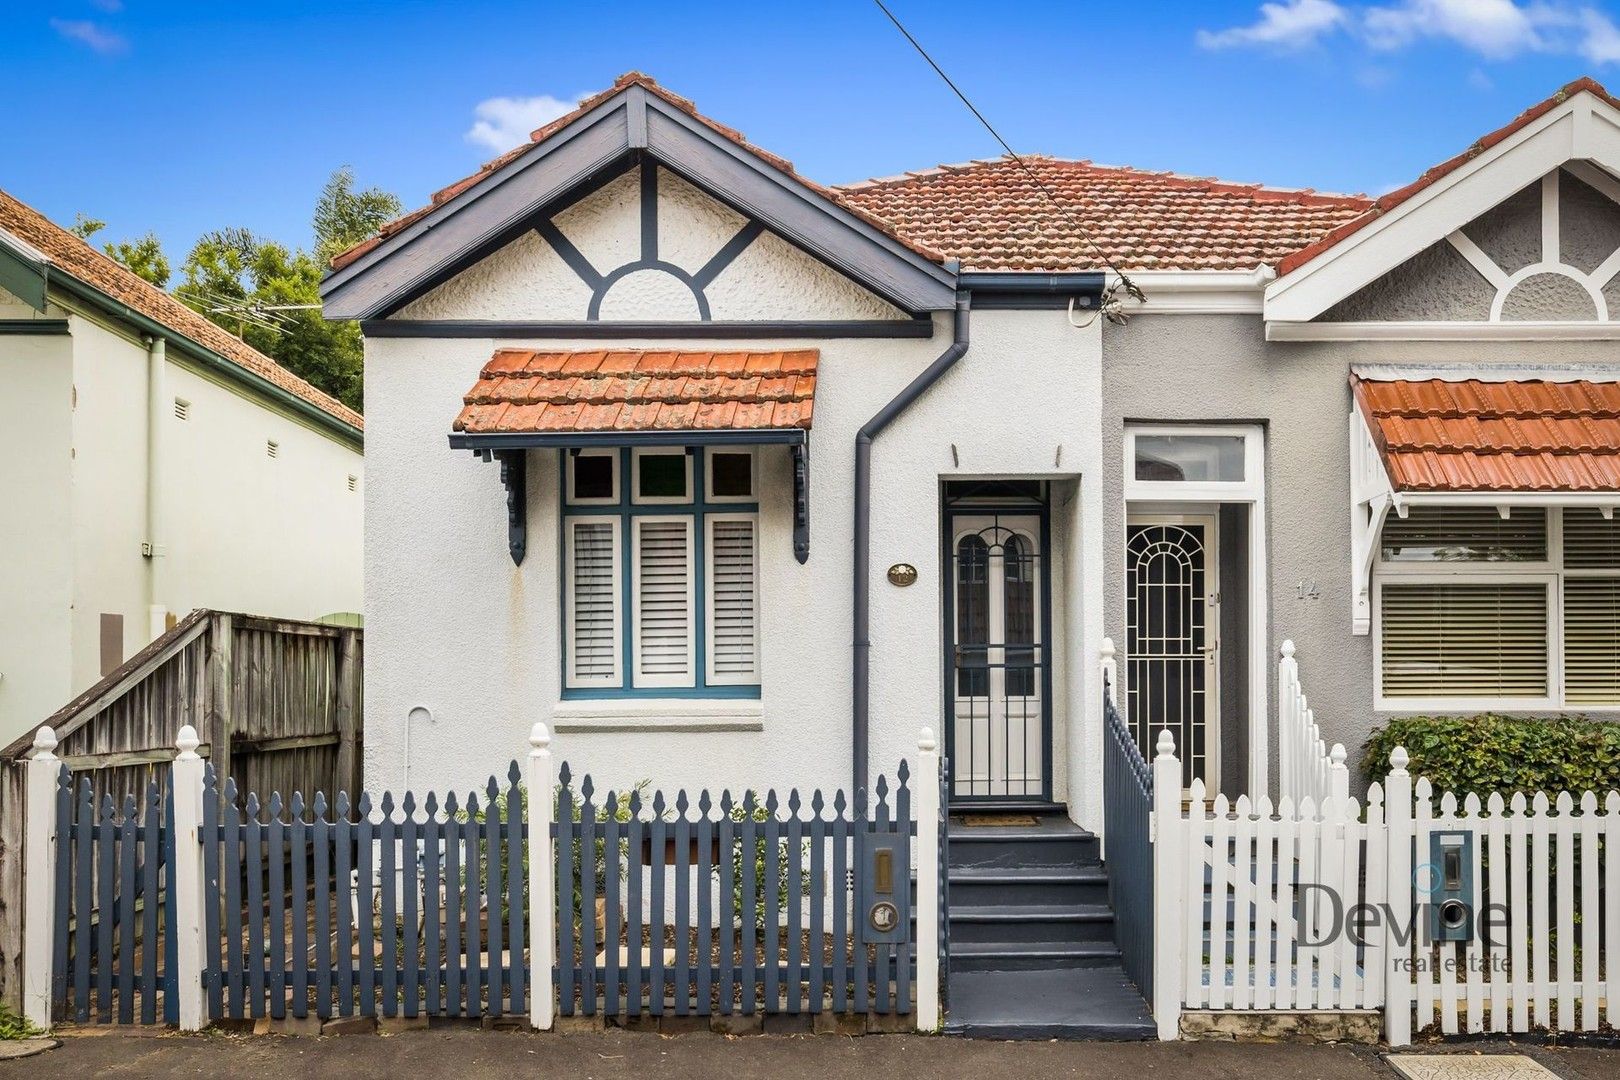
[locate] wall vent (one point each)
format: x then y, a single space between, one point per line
271 447
182 409
354 482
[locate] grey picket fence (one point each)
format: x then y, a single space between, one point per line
113 959
339 909
1128 858
729 905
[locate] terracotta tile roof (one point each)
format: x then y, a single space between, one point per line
630 78
1469 435
1385 203
641 390
69 254
992 216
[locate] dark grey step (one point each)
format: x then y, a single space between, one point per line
980 885
1098 1002
1015 848
1027 956
1027 923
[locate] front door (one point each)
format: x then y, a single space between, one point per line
999 689
1172 631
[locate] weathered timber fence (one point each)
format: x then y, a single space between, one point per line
1128 856
276 705
199 902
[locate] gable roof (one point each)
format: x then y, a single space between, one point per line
1580 122
1463 434
65 253
991 216
479 212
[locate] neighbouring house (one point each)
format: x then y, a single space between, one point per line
738 480
152 463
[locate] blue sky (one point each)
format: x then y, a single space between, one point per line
184 116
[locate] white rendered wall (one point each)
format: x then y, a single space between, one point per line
454 628
36 567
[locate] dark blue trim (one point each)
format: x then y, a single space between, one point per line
594 312
570 254
627 510
632 329
727 254
649 211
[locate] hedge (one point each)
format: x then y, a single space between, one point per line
1502 753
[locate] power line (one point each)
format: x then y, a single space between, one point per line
1124 278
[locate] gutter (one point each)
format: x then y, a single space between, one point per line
862 643
213 361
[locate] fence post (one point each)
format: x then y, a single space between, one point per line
1401 919
39 878
541 802
1110 671
1168 870
928 871
1287 722
186 785
1338 776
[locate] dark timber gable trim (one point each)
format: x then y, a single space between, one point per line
501 205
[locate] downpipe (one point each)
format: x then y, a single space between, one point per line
861 639
154 548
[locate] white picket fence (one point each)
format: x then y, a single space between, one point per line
1307 766
1330 905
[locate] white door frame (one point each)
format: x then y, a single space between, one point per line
1141 495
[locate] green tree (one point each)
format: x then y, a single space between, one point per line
84 226
144 258
344 216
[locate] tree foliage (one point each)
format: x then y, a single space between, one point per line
1502 753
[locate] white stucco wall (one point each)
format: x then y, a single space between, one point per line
278 537
454 628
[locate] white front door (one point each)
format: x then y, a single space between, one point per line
1172 637
999 736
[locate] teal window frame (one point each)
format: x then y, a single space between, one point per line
626 510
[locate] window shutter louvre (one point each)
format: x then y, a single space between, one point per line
733 630
1592 641
1453 534
593 602
1590 542
663 601
1464 640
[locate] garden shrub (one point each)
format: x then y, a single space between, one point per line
1491 752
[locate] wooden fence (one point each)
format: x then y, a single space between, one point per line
276 704
1307 766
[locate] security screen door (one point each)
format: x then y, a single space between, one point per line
1172 599
1000 735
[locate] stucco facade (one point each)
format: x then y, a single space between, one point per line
239 530
463 647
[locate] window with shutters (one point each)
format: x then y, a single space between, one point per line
1478 610
661 573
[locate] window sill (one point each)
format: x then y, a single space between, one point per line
673 715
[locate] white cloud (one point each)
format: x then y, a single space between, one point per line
1492 29
1292 24
1480 81
501 123
91 35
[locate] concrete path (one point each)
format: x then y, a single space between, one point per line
464 1053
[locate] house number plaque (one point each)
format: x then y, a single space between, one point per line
902 574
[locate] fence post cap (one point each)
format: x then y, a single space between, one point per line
188 742
1398 759
1107 649
1337 755
45 739
926 741
1167 744
1288 648
539 736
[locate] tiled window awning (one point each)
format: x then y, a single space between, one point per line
527 398
1433 437
598 395
1510 436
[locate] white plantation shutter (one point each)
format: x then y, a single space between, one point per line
733 596
593 602
1465 534
662 593
1591 608
1464 640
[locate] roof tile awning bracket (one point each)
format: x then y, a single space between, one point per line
801 502
514 477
